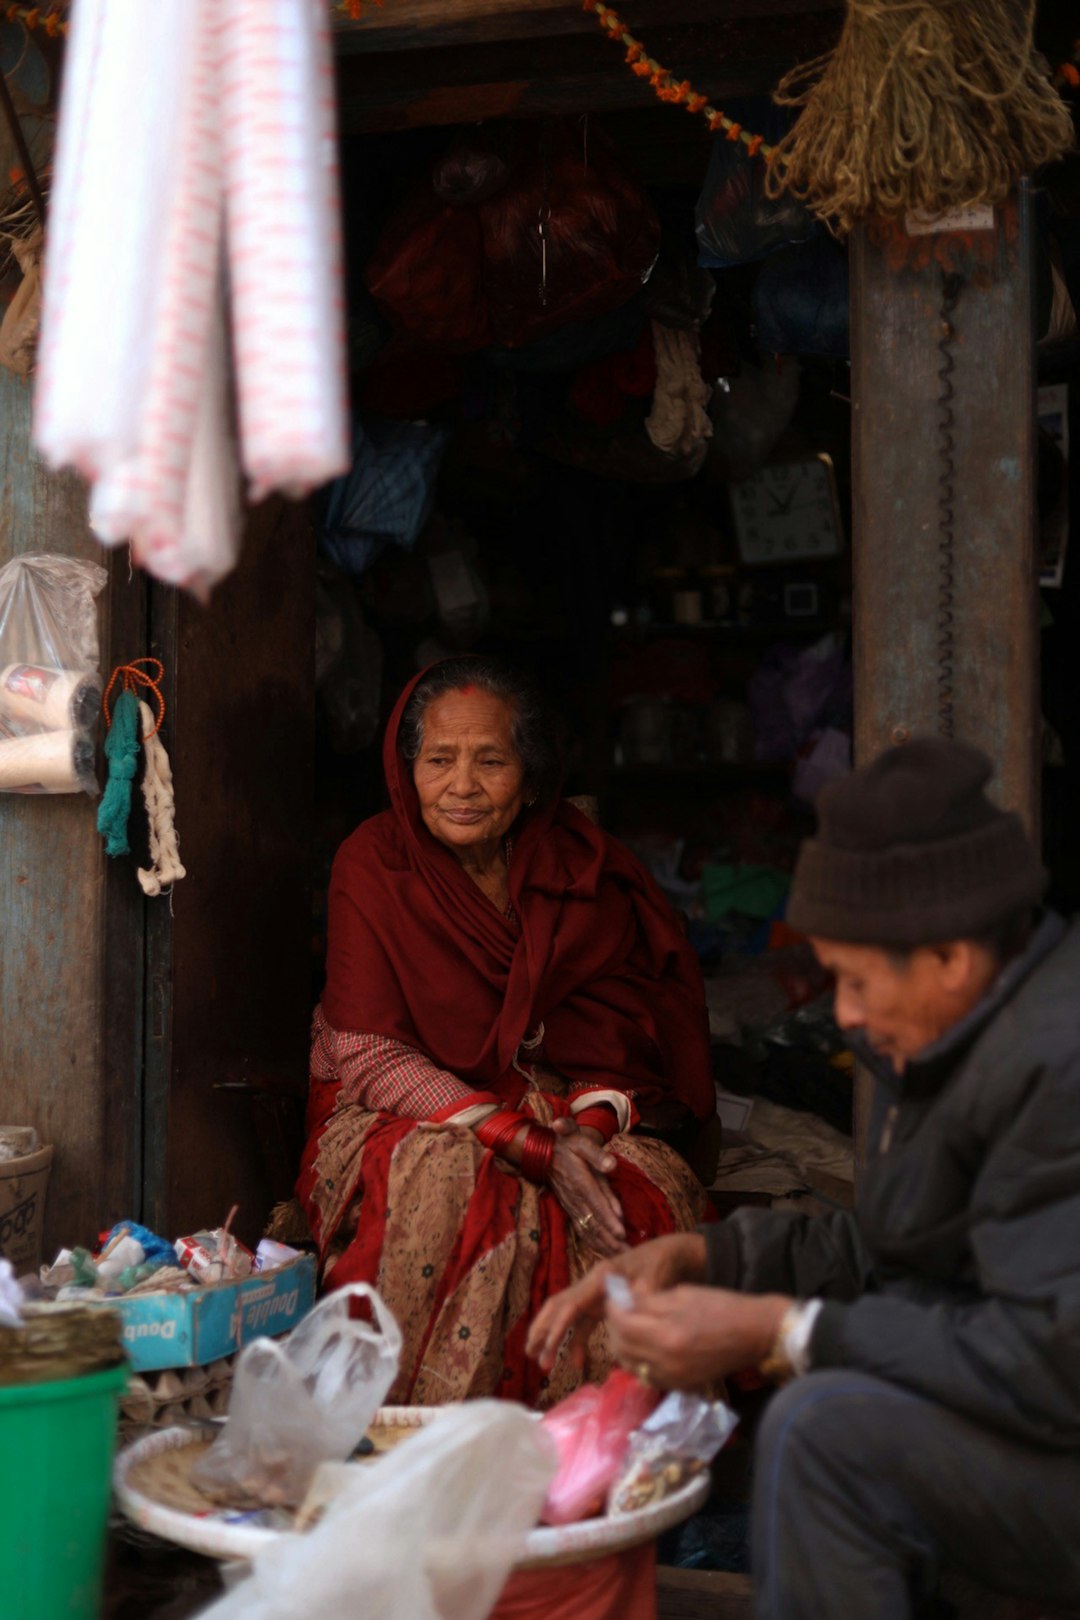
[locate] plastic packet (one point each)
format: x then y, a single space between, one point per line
50 684
215 1256
679 1439
591 1430
298 1404
269 1255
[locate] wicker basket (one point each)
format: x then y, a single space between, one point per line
60 1341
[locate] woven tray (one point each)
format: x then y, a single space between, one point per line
155 1490
60 1341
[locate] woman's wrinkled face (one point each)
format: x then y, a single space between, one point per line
468 776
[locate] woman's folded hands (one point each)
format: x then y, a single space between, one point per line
578 1178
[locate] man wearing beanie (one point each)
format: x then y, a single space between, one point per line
928 1344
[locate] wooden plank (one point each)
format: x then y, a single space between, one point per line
518 79
229 972
52 897
417 24
910 641
703 1594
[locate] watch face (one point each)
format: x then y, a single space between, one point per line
787 511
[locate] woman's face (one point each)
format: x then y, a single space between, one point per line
468 776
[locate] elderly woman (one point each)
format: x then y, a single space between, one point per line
506 990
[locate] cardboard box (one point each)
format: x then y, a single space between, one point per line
200 1325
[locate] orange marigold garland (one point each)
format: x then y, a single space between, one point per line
49 18
676 92
354 9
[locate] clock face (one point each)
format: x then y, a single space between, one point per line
787 511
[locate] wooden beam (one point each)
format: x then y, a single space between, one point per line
419 24
523 78
703 1594
930 614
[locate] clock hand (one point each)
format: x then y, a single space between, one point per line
781 507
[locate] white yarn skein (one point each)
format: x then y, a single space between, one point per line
157 790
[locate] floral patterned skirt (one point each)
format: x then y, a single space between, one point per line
464 1250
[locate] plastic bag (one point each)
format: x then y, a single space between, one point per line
678 1440
50 685
386 496
302 1403
428 1532
591 1430
801 301
736 221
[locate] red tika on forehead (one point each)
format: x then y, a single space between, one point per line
467 691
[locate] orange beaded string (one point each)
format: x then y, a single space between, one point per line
134 678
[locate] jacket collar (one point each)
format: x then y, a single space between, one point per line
935 1062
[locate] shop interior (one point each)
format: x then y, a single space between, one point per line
685 604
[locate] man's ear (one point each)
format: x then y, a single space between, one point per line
957 964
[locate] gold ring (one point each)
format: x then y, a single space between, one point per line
585 1221
643 1372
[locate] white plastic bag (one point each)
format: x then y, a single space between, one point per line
428 1532
50 685
307 1401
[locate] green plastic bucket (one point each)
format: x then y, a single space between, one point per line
56 1449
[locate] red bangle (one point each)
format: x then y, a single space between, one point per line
499 1130
537 1153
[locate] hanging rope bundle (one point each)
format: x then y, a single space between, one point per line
923 105
130 721
157 786
122 753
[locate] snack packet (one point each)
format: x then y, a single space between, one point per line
679 1439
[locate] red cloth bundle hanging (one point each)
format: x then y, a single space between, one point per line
463 264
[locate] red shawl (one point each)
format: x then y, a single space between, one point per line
417 953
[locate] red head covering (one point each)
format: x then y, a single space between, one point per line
419 954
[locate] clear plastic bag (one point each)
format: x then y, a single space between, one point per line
50 683
591 1430
678 1440
428 1532
298 1404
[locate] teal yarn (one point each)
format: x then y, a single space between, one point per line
122 753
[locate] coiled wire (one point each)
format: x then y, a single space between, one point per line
952 286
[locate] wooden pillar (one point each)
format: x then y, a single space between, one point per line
943 449
55 897
942 606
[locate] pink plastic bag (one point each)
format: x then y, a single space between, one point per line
591 1430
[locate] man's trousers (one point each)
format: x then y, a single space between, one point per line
864 1493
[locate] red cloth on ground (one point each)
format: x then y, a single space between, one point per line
621 1586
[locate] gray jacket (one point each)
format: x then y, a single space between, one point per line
958 1275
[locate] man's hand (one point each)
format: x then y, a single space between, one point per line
660 1264
687 1337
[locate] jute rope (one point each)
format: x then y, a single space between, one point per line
157 786
924 105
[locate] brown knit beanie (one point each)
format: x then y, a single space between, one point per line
910 851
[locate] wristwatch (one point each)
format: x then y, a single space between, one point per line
789 1356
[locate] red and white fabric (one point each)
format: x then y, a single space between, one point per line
201 138
386 1076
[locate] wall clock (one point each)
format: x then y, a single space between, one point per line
787 511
